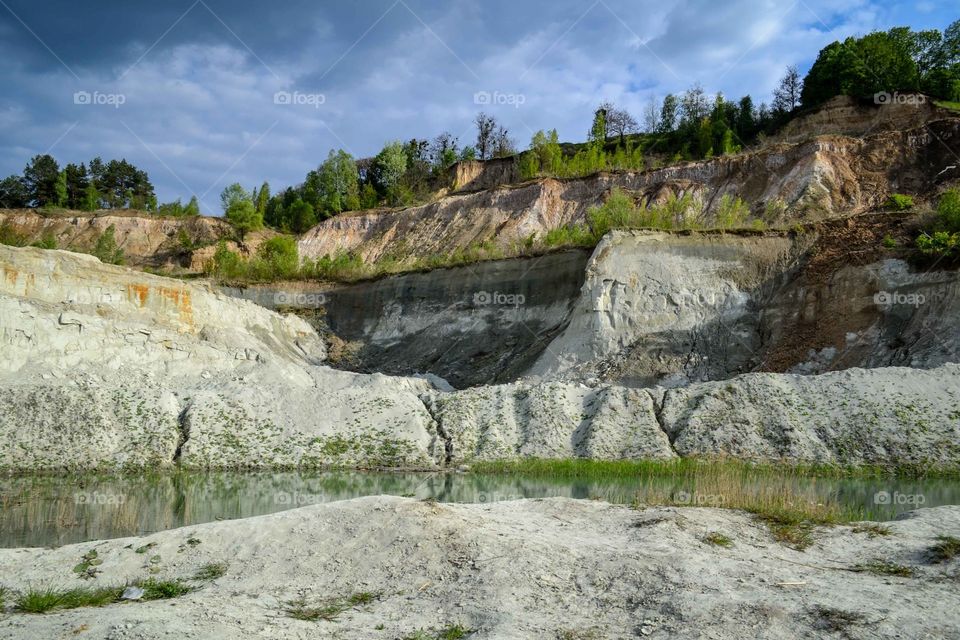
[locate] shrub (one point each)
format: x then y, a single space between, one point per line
47 241
9 235
731 212
940 243
106 248
948 211
280 256
899 202
888 241
225 264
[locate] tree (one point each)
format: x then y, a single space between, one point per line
486 127
61 189
243 216
338 182
443 151
598 130
745 124
192 208
91 198
280 255
263 197
40 179
786 97
668 114
232 195
651 115
468 153
546 150
301 216
76 185
693 108
620 123
13 193
388 168
502 144
122 185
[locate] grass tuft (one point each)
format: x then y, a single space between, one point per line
450 632
211 571
872 529
884 568
329 609
946 549
718 539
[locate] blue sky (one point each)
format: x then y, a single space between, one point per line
187 90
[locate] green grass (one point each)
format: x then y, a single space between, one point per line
681 468
946 549
718 539
154 589
4 592
772 492
946 104
47 599
329 609
885 568
211 571
872 529
451 632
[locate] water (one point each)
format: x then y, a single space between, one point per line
56 510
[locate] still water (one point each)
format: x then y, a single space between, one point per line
57 510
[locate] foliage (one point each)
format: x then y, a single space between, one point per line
899 202
300 216
389 167
40 179
106 248
944 238
232 195
244 217
895 60
14 193
338 183
947 548
280 256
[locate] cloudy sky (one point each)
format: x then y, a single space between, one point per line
201 93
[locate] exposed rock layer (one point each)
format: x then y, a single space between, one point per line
107 367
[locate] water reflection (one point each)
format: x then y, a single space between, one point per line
52 511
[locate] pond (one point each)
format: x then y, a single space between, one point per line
58 510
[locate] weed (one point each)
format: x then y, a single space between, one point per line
884 568
154 589
47 599
211 571
947 548
450 632
718 539
789 528
872 529
329 609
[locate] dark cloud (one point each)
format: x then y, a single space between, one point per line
199 108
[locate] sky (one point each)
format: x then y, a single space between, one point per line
203 93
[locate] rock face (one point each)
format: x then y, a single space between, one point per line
145 239
555 568
482 323
814 178
105 367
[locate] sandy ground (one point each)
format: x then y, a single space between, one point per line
554 568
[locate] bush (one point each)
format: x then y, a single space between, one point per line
280 256
9 235
47 241
948 211
225 263
941 243
731 212
899 202
106 248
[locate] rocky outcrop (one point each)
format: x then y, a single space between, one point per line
592 569
482 323
146 240
811 179
105 367
475 175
